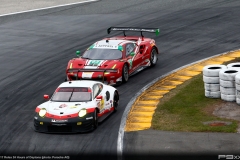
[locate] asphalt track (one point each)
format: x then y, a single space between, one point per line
35 48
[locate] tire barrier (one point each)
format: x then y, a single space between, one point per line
230 98
238 101
212 81
237 85
210 94
212 87
227 83
230 84
213 70
222 81
228 74
234 65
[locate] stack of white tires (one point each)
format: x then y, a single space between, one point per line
227 83
237 80
212 81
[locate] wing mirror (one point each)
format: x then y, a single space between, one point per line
132 54
78 53
46 97
99 97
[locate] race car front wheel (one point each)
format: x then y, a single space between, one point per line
125 73
95 119
153 58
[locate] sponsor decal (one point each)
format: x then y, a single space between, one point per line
89 118
73 107
130 62
79 123
106 46
94 62
102 104
62 106
59 120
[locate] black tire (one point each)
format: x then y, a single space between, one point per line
95 119
125 73
115 101
153 57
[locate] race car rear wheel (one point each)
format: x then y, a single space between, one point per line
95 119
125 73
153 58
115 101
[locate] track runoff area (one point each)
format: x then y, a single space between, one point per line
142 110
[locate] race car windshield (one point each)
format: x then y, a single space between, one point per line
77 94
103 54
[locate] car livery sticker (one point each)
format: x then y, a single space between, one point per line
106 46
59 120
62 106
130 63
94 62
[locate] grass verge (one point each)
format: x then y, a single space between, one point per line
186 108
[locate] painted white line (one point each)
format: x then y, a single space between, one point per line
33 10
130 103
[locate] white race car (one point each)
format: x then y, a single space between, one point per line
76 106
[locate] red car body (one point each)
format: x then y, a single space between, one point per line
114 59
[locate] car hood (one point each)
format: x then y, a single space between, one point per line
65 108
94 64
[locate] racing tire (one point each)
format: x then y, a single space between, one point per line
230 84
237 86
234 65
125 73
238 101
212 87
213 70
237 79
228 90
153 57
237 94
95 120
229 98
210 94
115 101
228 74
210 79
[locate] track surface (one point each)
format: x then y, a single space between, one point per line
36 47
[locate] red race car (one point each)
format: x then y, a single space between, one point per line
114 59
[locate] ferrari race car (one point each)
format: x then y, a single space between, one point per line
76 106
116 57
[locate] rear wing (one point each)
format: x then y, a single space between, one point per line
133 29
91 70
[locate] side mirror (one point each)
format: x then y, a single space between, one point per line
99 97
46 97
78 53
132 54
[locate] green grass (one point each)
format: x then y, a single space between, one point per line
186 108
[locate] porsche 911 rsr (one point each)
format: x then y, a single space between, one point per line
117 57
76 106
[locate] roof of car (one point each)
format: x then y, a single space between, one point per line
78 83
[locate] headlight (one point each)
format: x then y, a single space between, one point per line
42 112
82 112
